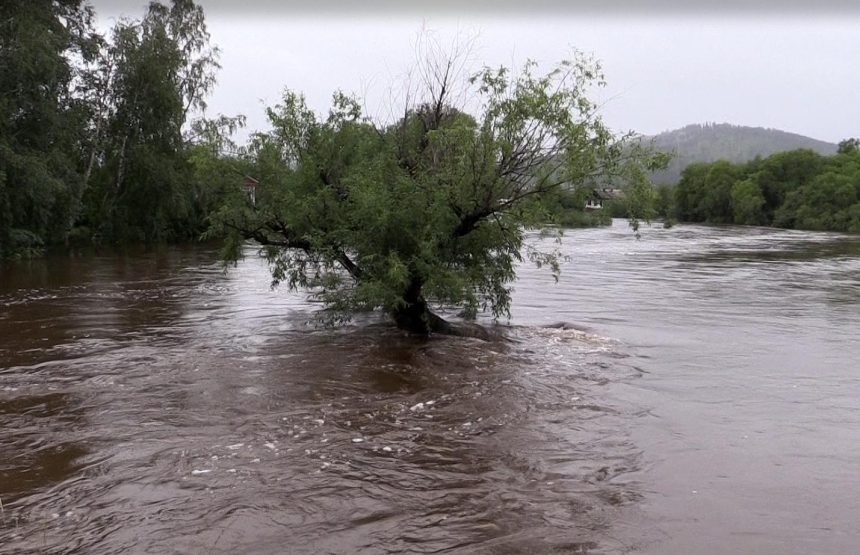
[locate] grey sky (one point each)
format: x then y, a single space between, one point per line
797 71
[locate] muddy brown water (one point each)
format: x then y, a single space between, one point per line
704 397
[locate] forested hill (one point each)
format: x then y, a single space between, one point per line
723 141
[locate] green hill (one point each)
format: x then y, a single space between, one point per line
722 141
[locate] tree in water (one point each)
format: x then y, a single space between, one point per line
431 207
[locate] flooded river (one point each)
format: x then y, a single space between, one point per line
704 398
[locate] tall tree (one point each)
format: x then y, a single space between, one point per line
160 71
44 49
430 208
783 172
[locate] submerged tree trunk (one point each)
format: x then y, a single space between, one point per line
417 318
413 316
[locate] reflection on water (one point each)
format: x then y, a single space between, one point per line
154 403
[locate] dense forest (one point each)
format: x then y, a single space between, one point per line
722 141
98 136
797 189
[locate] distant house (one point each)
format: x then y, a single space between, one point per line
600 195
250 186
594 203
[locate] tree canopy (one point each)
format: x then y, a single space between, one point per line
430 207
41 118
91 126
796 189
155 73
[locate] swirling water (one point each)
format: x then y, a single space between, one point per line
702 398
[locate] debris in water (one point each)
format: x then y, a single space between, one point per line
387 449
235 446
357 440
198 472
419 406
270 445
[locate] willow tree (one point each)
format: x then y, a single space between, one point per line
431 207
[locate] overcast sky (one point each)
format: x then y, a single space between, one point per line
794 69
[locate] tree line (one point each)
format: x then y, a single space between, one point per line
98 136
797 189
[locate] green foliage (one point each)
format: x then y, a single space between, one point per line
797 189
40 120
783 172
217 166
91 142
829 202
160 69
641 200
747 203
848 146
432 206
717 200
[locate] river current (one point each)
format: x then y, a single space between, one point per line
696 390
